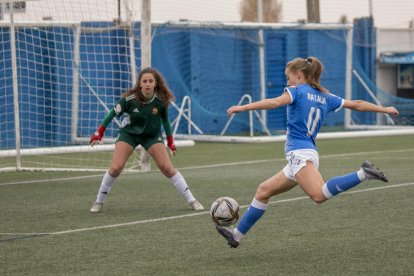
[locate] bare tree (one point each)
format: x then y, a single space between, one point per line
313 11
343 19
272 11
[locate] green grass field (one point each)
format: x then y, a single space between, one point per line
146 228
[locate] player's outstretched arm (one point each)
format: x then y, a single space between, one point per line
273 103
359 105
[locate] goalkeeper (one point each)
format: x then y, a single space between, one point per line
145 108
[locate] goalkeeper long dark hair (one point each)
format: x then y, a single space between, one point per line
161 89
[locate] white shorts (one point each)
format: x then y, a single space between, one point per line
297 160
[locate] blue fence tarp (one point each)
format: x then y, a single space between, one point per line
214 66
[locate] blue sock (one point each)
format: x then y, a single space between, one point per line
252 215
340 184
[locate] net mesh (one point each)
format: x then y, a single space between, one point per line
74 59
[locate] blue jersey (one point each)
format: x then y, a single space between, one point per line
306 114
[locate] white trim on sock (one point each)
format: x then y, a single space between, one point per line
237 235
326 192
259 205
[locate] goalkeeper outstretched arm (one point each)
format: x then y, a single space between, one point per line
97 136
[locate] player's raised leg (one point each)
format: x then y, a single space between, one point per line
343 183
312 183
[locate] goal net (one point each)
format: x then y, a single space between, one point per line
63 67
65 63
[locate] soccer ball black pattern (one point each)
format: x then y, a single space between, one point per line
225 211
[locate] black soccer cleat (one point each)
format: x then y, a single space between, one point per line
227 233
372 172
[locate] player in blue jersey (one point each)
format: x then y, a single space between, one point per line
145 108
308 103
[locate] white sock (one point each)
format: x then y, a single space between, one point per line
181 186
106 187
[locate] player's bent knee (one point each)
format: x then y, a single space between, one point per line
115 171
262 193
167 170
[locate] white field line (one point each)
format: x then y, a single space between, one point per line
208 166
70 231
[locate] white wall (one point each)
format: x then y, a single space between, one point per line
392 40
387 78
395 40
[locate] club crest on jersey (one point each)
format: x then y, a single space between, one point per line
118 108
155 111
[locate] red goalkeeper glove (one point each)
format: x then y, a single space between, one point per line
97 136
171 145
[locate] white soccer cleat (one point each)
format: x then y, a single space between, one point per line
96 207
196 205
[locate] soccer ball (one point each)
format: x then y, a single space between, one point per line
225 211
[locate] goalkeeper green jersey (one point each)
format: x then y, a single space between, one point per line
141 118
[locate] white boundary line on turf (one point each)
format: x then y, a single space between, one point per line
189 215
206 166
